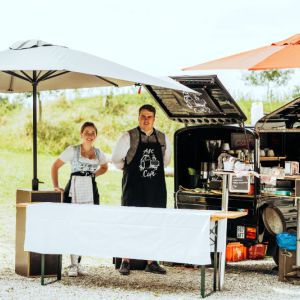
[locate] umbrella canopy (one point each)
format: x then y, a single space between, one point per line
33 65
280 55
60 67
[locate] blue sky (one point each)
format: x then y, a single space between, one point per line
158 36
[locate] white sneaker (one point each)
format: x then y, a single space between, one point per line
81 270
73 271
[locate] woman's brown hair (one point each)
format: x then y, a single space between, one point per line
88 124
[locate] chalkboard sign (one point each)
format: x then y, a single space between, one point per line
239 184
239 141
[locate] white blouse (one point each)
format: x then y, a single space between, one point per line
70 151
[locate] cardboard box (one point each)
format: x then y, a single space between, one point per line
291 167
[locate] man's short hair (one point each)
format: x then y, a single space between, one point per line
148 107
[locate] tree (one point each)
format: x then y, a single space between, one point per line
296 92
268 79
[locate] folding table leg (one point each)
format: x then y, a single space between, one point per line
203 281
42 269
59 265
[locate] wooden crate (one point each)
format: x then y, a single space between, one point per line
29 263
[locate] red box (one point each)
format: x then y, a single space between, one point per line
236 252
257 251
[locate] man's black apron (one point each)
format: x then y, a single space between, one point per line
143 182
144 185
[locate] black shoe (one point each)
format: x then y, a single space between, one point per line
124 268
154 267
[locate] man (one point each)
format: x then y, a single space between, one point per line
142 153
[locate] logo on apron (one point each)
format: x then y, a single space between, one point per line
148 163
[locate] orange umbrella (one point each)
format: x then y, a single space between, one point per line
281 55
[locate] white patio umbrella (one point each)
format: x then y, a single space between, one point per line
34 65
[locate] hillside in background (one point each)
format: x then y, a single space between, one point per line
62 118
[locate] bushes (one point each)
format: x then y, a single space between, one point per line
62 120
53 139
7 108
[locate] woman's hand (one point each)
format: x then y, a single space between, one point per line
54 175
103 168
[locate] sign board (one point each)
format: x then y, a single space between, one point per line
239 141
239 184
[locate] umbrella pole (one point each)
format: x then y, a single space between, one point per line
35 181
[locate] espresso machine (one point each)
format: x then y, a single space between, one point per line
208 167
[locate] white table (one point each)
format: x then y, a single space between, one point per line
176 235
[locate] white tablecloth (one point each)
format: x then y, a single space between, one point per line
177 235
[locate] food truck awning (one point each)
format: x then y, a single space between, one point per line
212 105
285 118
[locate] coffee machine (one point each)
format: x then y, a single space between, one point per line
213 147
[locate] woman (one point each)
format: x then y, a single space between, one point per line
87 163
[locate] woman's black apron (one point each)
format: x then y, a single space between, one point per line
143 182
68 199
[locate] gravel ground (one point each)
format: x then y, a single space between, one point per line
244 280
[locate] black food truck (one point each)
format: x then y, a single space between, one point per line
214 124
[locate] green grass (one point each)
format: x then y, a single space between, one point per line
16 173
